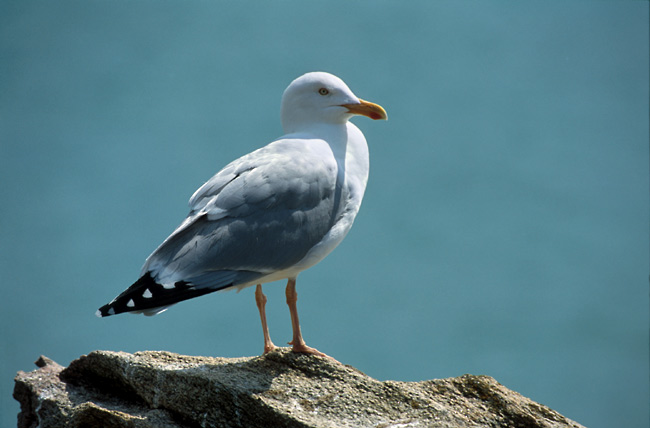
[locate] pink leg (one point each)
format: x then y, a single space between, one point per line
297 342
260 299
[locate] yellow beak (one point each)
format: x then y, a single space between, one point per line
368 109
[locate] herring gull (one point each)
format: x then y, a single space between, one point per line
270 214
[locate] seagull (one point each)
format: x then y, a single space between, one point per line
270 214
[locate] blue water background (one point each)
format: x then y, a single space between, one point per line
505 226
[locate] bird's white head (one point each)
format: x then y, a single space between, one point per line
320 97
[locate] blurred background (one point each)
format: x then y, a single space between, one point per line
505 226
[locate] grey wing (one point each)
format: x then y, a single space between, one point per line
255 217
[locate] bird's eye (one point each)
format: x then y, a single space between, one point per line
323 91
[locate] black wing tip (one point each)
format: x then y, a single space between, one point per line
148 297
104 311
125 301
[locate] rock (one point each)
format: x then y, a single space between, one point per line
280 389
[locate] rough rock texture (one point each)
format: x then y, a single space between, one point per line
281 389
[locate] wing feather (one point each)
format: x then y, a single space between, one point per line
261 213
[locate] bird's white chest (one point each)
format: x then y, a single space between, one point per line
352 166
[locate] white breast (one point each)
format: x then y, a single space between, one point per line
355 166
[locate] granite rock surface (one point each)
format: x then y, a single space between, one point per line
280 389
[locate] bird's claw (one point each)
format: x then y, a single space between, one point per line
304 349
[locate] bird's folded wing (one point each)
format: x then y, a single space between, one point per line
262 213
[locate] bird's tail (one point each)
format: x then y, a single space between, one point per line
148 297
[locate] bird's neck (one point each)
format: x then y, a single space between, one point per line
336 135
345 140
